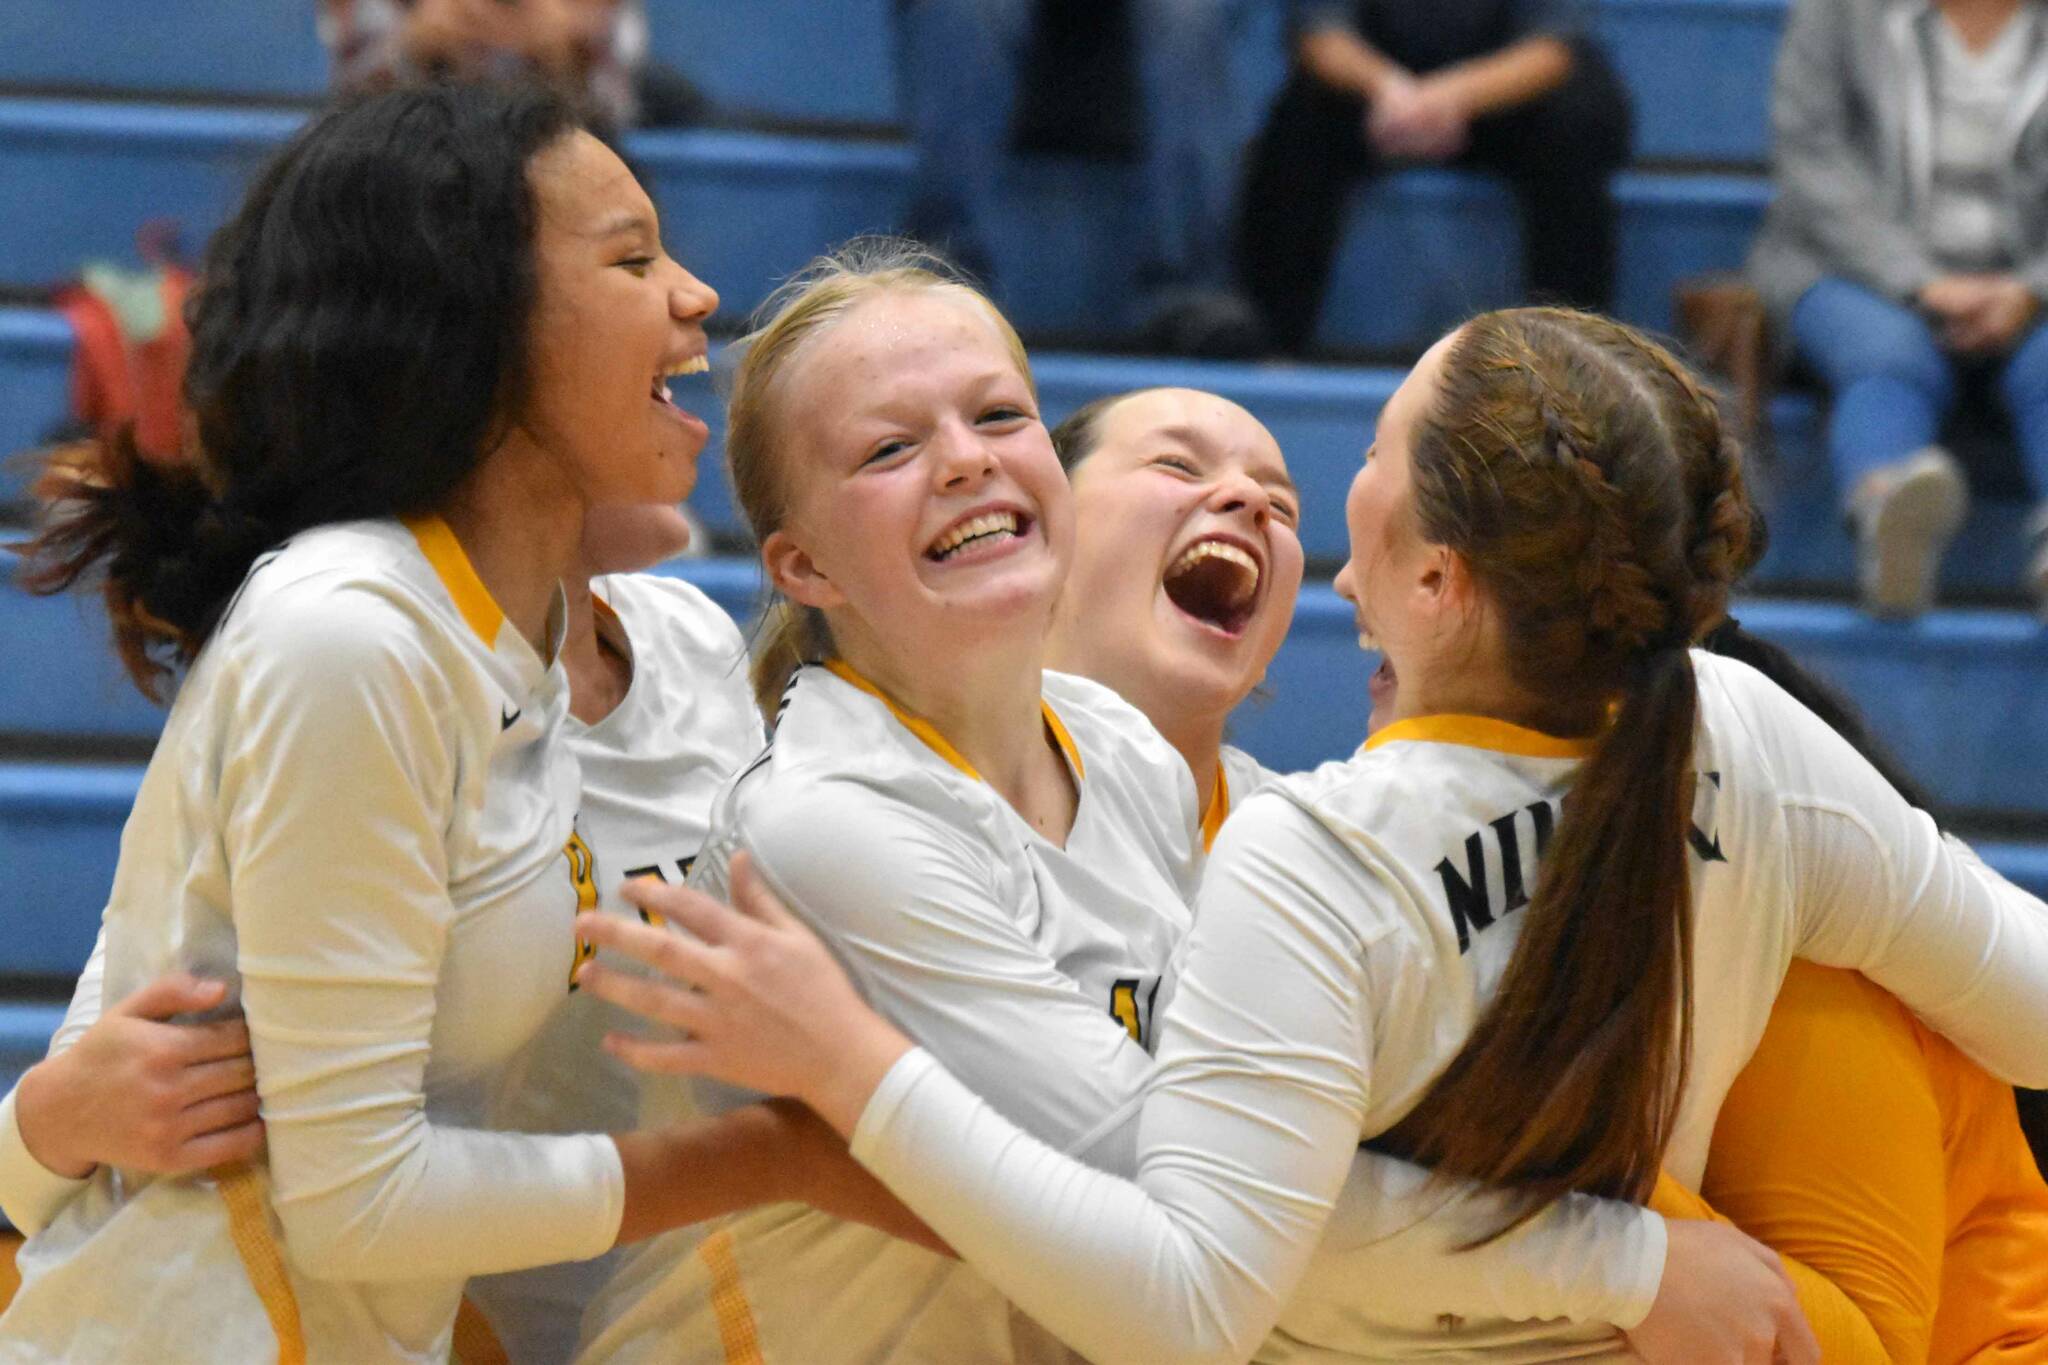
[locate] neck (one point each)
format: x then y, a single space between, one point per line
598 674
520 525
985 700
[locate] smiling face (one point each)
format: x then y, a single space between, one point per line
1187 560
1407 593
614 317
926 511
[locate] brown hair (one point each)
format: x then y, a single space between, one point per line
804 306
1587 482
1075 439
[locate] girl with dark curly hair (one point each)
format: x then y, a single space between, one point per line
429 356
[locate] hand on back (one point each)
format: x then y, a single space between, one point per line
144 1093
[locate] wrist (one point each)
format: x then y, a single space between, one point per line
862 1060
33 1106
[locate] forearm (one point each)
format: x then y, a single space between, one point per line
1342 60
1510 77
774 1152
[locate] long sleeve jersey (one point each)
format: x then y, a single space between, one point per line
359 814
1352 925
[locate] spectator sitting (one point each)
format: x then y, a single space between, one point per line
1509 85
1907 253
963 66
593 51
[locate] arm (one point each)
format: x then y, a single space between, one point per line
1827 184
1334 54
1877 889
1500 80
343 734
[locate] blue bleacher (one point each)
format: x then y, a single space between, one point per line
1322 417
800 61
744 209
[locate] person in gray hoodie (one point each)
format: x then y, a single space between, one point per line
1906 256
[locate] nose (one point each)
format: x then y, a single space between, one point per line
1237 491
689 298
1344 586
962 457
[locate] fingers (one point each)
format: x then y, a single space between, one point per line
241 1143
673 955
659 1058
211 1080
213 1042
693 910
219 1115
172 994
751 896
658 1001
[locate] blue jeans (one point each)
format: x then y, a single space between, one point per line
1892 384
962 62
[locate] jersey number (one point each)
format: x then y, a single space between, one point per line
582 876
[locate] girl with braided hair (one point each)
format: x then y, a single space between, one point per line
1477 943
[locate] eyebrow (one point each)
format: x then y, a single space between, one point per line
619 224
1186 436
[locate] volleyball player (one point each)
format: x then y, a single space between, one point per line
434 334
1560 551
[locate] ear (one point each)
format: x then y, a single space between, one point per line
792 572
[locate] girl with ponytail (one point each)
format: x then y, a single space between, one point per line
1528 936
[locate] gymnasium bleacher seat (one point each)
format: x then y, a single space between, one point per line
112 113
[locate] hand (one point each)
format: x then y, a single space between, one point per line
1980 314
1422 120
1725 1300
759 1000
142 1093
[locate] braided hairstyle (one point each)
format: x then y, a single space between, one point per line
1587 481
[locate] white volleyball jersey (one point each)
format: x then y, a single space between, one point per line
1352 924
359 814
1034 969
650 771
1238 775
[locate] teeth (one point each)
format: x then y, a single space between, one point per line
696 364
1368 641
1223 550
988 523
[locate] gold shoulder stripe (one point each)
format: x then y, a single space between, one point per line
1481 732
1218 809
458 576
737 1332
917 725
249 1229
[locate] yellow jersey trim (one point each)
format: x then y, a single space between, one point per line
737 1332
458 576
249 1230
938 743
1481 732
1218 809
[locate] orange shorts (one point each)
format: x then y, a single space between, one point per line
1892 1174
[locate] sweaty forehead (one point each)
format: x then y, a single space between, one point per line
908 334
1205 422
582 188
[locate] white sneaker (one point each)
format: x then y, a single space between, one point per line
2037 569
1904 516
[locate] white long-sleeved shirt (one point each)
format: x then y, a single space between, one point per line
1033 967
1352 925
370 757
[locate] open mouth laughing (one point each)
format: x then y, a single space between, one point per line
1215 581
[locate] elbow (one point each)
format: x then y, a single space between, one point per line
333 1238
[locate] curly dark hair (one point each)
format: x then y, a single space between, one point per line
358 334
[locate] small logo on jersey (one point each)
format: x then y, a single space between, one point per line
506 718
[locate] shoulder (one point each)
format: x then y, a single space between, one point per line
683 613
1115 736
1244 773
